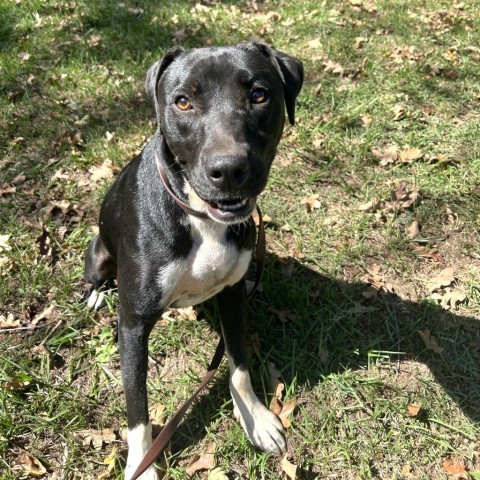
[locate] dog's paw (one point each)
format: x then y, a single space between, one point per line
96 300
263 428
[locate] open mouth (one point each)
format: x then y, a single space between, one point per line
231 210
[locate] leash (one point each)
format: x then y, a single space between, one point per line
169 429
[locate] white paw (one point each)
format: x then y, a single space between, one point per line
263 428
96 300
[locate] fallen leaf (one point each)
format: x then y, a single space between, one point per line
409 155
283 315
289 468
413 409
455 467
283 410
311 202
43 315
30 465
370 206
414 233
110 461
8 321
333 67
366 120
275 384
449 299
315 43
157 414
430 341
386 157
444 279
101 171
96 438
217 474
203 461
426 252
359 41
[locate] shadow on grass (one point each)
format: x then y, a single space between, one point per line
331 328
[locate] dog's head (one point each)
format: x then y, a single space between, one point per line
221 112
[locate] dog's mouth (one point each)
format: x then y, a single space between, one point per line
231 210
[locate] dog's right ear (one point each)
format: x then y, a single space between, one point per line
155 72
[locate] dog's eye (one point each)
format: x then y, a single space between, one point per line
183 104
259 95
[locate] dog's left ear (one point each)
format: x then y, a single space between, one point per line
155 72
290 70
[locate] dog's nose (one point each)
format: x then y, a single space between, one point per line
228 172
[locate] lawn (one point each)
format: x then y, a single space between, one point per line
368 314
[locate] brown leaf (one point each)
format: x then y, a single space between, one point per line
409 155
413 409
370 206
283 315
101 171
204 461
289 468
283 409
96 438
386 157
157 414
444 279
8 321
43 315
455 468
275 384
430 341
311 202
30 465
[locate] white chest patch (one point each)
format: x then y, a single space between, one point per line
212 264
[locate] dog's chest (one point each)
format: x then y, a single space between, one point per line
212 264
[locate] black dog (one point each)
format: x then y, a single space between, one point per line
220 114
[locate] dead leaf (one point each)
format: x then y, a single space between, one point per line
29 465
289 468
315 43
450 298
333 67
110 461
426 252
444 279
455 468
96 438
370 206
366 120
409 155
157 414
204 461
101 171
386 157
283 315
8 321
359 41
217 474
430 341
43 315
413 409
275 384
283 410
311 202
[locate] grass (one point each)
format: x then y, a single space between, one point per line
346 290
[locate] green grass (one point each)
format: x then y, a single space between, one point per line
72 71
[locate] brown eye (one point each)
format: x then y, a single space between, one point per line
259 95
183 104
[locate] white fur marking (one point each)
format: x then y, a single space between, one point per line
262 426
139 441
212 264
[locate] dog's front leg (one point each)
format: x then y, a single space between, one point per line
133 336
262 426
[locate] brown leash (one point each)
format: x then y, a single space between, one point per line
169 429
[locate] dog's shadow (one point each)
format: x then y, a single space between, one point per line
310 326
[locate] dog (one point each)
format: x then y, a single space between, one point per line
220 113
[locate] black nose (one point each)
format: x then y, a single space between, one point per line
228 172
